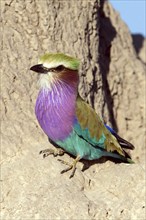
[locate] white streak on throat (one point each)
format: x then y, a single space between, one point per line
46 81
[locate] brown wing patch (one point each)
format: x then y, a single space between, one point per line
88 118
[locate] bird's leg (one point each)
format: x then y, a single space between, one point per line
71 166
55 152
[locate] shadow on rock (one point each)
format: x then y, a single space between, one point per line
107 33
138 41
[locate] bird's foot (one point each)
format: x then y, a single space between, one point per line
54 152
70 166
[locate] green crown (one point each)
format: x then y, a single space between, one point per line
58 59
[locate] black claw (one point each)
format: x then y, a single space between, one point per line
44 155
71 176
63 171
72 173
40 152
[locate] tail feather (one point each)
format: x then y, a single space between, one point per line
130 161
125 159
123 143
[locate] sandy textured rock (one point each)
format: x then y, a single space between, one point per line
125 79
112 80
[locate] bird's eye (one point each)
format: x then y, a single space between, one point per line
59 68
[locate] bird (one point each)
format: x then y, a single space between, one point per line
70 123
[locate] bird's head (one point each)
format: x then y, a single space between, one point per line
56 67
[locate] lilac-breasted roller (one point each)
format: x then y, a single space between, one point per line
68 121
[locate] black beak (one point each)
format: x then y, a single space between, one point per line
39 68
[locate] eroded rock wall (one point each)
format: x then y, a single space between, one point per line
112 81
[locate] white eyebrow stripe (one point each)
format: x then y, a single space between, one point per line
53 64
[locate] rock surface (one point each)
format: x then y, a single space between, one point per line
112 80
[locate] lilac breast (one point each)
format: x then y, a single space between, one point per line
55 111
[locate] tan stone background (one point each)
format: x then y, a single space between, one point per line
112 81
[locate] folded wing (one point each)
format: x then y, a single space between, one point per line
90 127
